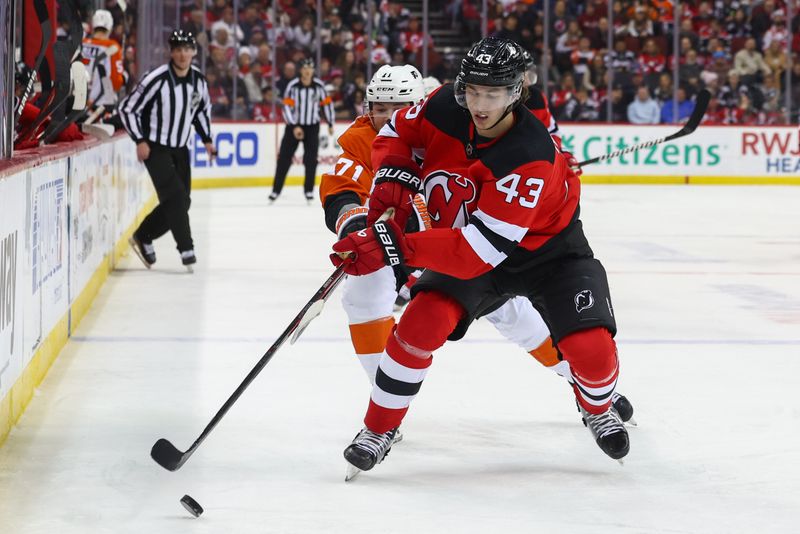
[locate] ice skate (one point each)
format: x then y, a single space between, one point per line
144 251
310 198
609 432
272 197
623 407
367 449
188 259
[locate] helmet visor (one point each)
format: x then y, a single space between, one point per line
486 98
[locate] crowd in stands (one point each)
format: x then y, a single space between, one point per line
737 49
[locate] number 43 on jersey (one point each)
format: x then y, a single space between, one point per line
532 187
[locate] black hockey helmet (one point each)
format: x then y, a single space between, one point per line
530 67
495 63
182 38
492 61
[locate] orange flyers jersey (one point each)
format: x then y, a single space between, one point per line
353 169
103 60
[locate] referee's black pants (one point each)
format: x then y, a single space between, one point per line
286 152
171 173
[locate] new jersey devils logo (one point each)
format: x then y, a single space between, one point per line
448 196
584 300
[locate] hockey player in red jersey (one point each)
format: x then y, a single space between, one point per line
368 299
516 231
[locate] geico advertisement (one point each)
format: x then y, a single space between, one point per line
249 150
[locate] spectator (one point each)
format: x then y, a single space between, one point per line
303 35
229 21
511 29
663 91
749 62
618 106
776 60
250 22
289 73
643 109
640 25
744 112
651 61
254 83
265 110
776 32
581 59
580 107
566 44
685 108
690 69
412 41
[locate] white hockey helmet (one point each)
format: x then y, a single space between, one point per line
430 84
102 19
398 84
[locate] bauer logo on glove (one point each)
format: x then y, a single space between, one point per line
394 174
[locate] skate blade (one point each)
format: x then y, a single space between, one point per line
352 472
631 422
135 249
189 269
621 462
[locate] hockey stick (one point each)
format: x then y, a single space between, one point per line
47 32
168 456
691 125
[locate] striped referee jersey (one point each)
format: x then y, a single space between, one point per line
163 107
302 103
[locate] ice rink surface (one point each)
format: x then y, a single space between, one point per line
706 288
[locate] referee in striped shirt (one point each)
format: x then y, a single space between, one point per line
159 115
305 97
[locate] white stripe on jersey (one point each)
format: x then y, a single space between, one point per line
512 232
482 247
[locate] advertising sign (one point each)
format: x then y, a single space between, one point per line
46 249
722 153
12 243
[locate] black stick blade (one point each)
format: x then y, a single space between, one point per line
166 455
699 111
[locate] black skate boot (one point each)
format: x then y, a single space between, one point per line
273 197
309 197
624 408
609 432
144 251
367 449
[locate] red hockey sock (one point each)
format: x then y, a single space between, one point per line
592 357
423 328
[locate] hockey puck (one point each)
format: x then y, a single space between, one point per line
191 505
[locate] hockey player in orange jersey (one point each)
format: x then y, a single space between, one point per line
369 300
103 59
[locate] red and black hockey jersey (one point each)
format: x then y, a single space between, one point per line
537 104
504 198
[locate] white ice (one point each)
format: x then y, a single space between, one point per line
706 288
